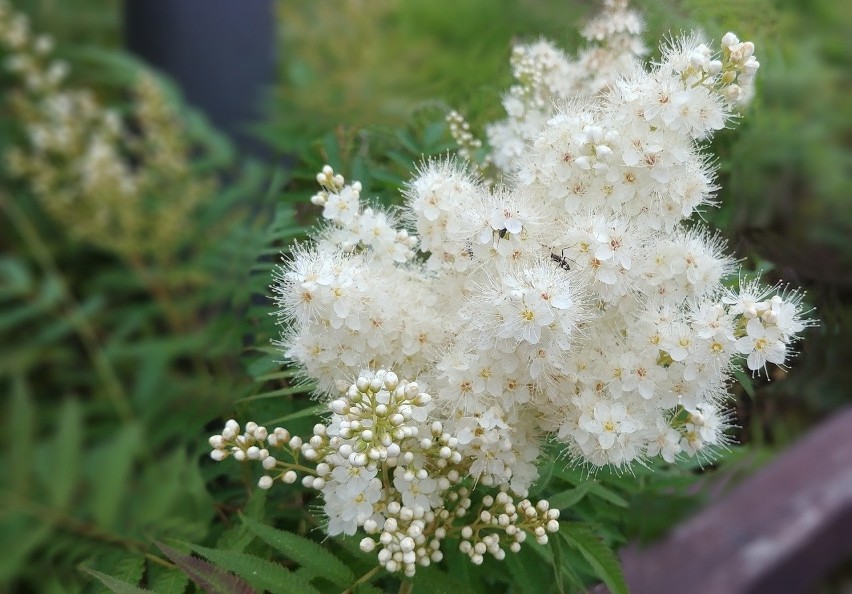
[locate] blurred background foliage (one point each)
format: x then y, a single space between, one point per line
113 369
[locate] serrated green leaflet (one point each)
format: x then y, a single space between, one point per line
599 556
210 578
116 585
260 573
303 551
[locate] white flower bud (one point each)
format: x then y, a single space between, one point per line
391 381
729 39
367 545
265 482
290 477
269 463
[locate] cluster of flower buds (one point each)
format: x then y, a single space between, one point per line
253 445
730 73
467 143
354 226
384 468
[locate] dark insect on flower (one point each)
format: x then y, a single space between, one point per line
561 260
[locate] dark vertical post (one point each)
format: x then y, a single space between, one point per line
221 53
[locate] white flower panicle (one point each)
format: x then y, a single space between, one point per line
572 301
384 467
546 77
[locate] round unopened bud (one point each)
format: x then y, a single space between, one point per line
218 455
391 381
265 482
367 544
269 462
290 477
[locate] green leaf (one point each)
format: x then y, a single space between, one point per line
556 549
433 580
297 389
166 580
128 567
66 452
209 577
602 492
545 473
745 380
116 585
529 575
310 411
601 558
303 551
20 433
111 474
570 497
260 573
18 539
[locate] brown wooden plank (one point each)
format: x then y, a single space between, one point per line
779 532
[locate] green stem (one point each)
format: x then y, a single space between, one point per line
363 579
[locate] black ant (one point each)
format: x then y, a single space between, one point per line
561 260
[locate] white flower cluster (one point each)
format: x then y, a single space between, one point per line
547 77
574 300
355 227
56 126
383 466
